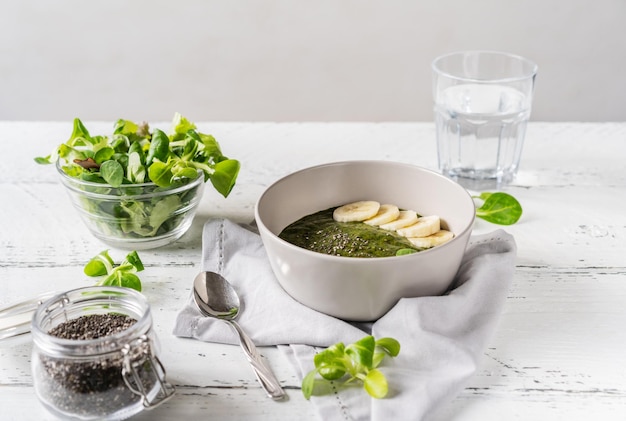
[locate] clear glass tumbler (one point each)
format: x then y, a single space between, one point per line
482 106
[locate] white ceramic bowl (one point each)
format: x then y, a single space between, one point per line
363 289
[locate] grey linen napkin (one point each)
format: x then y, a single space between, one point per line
442 338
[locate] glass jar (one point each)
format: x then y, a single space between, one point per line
110 377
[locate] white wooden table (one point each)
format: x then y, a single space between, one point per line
559 352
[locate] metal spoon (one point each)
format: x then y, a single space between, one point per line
215 297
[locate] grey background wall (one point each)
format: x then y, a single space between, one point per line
294 60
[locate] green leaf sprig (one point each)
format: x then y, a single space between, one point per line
110 274
355 362
499 208
134 155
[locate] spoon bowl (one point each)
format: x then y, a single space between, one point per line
217 298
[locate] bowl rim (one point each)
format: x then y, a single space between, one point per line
72 183
354 259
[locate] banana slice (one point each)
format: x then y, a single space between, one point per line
405 218
386 213
424 227
433 240
357 211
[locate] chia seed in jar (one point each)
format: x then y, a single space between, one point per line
94 355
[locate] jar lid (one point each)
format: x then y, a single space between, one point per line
15 320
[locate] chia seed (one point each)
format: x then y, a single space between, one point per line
92 326
92 384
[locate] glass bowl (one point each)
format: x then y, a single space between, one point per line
135 216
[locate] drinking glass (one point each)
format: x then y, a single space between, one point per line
482 106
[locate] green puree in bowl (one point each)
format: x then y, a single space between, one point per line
321 233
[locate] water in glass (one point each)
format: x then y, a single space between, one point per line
481 131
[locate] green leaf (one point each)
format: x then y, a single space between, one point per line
362 351
120 143
125 127
69 153
225 176
103 154
123 275
184 169
133 259
211 148
375 384
332 369
99 265
334 351
358 360
44 160
499 208
111 280
186 172
163 210
330 362
180 125
131 132
136 147
378 358
130 280
136 172
308 383
159 147
160 173
389 345
137 215
77 171
190 149
112 172
79 132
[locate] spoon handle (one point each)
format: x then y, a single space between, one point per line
263 373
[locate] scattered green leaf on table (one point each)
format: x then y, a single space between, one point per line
499 208
99 265
375 384
122 275
355 362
